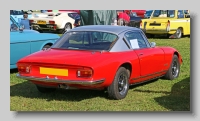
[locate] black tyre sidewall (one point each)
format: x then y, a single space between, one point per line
113 88
169 72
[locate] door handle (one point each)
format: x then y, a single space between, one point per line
140 54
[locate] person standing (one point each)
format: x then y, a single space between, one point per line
25 21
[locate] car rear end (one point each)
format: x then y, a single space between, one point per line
156 26
50 21
159 23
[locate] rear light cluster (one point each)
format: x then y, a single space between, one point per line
84 73
31 21
24 68
140 24
168 26
51 22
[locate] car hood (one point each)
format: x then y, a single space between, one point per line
68 57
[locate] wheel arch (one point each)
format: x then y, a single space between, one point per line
128 66
179 56
182 30
48 43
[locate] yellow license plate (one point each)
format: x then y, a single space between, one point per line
41 22
54 71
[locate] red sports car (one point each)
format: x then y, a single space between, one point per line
100 57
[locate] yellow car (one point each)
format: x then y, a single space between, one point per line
169 22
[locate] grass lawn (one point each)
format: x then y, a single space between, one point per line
160 95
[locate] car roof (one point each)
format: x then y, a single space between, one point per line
105 28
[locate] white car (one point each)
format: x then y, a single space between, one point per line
53 21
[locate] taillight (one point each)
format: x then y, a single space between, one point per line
84 73
168 23
140 24
31 21
55 27
168 26
51 22
23 68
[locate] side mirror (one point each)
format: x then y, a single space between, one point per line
153 44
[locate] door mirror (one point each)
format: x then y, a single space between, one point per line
153 44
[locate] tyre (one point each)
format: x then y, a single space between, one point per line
46 47
66 28
120 85
174 69
178 33
150 35
45 89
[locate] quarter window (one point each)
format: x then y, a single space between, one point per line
136 40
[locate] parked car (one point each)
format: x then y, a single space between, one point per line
140 13
18 15
100 57
53 21
25 42
134 20
174 23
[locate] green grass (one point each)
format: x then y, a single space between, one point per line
160 95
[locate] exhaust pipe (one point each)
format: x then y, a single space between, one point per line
63 86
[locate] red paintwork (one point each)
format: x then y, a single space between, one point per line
104 65
78 11
140 13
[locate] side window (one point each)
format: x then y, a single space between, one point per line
186 11
136 40
180 14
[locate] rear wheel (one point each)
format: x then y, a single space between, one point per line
66 28
179 33
120 85
150 35
174 69
45 89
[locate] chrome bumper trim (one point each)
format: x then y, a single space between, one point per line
87 82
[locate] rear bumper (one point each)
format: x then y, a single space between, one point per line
159 31
46 80
45 27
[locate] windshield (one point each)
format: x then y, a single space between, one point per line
86 40
164 13
16 12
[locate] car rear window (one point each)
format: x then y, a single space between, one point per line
86 40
